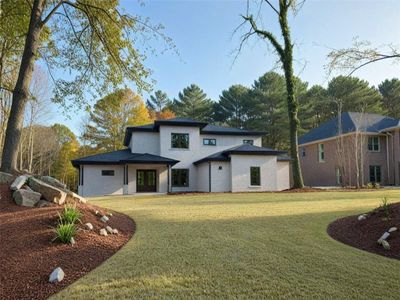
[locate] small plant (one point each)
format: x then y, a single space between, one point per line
64 232
385 208
369 185
70 215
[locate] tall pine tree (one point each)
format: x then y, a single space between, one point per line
390 91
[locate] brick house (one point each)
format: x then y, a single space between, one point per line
355 148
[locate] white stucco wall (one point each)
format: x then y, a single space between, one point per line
240 172
220 179
161 177
283 175
145 142
202 177
94 184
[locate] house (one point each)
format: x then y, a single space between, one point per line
184 155
350 150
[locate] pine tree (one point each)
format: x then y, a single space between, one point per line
158 102
390 91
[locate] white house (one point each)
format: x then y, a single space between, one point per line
183 155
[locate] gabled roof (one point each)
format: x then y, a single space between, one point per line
245 149
205 128
123 157
351 121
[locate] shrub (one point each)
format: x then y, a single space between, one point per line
64 232
385 208
70 215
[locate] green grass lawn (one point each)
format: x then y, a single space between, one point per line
271 245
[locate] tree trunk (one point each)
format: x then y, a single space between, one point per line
21 90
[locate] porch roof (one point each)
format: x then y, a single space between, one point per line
123 157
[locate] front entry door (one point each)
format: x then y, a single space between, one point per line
146 181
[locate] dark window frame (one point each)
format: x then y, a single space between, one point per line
374 144
376 175
208 142
179 182
248 142
107 172
321 153
303 152
186 135
255 179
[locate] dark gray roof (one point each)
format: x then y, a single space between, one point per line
122 157
245 149
204 128
372 123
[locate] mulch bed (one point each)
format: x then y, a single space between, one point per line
364 234
28 255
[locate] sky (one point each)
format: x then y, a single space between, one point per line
203 33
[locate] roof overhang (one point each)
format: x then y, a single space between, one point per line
238 133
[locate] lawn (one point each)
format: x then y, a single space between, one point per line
271 245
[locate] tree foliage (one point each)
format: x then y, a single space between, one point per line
110 117
390 91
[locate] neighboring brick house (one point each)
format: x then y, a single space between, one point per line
328 153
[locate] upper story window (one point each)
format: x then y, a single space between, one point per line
250 142
180 140
373 144
321 153
209 142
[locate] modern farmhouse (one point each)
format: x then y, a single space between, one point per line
184 155
353 150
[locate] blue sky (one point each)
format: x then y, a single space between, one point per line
203 34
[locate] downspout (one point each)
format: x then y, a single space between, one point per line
209 176
168 179
387 157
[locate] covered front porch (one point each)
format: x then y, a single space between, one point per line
146 178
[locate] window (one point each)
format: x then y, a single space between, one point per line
375 174
321 153
303 152
373 144
107 172
180 177
210 142
255 176
250 142
180 140
220 168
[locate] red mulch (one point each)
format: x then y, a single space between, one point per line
28 255
364 234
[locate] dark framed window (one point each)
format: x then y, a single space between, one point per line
321 153
180 177
250 142
373 144
255 176
210 142
303 152
107 172
375 174
180 140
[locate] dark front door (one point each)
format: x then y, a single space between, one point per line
146 181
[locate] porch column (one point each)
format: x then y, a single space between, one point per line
209 176
126 181
80 183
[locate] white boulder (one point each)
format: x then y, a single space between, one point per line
53 182
103 232
362 217
392 229
19 182
109 229
383 237
115 231
104 219
89 226
57 275
50 193
26 198
72 241
385 245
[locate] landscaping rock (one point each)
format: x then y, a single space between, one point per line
385 245
43 203
392 229
96 212
362 217
19 182
57 275
383 237
75 197
6 178
110 214
48 192
53 182
26 198
89 226
104 219
72 241
115 231
109 229
103 232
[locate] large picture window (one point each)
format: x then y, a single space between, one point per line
180 177
255 176
373 144
180 140
375 174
